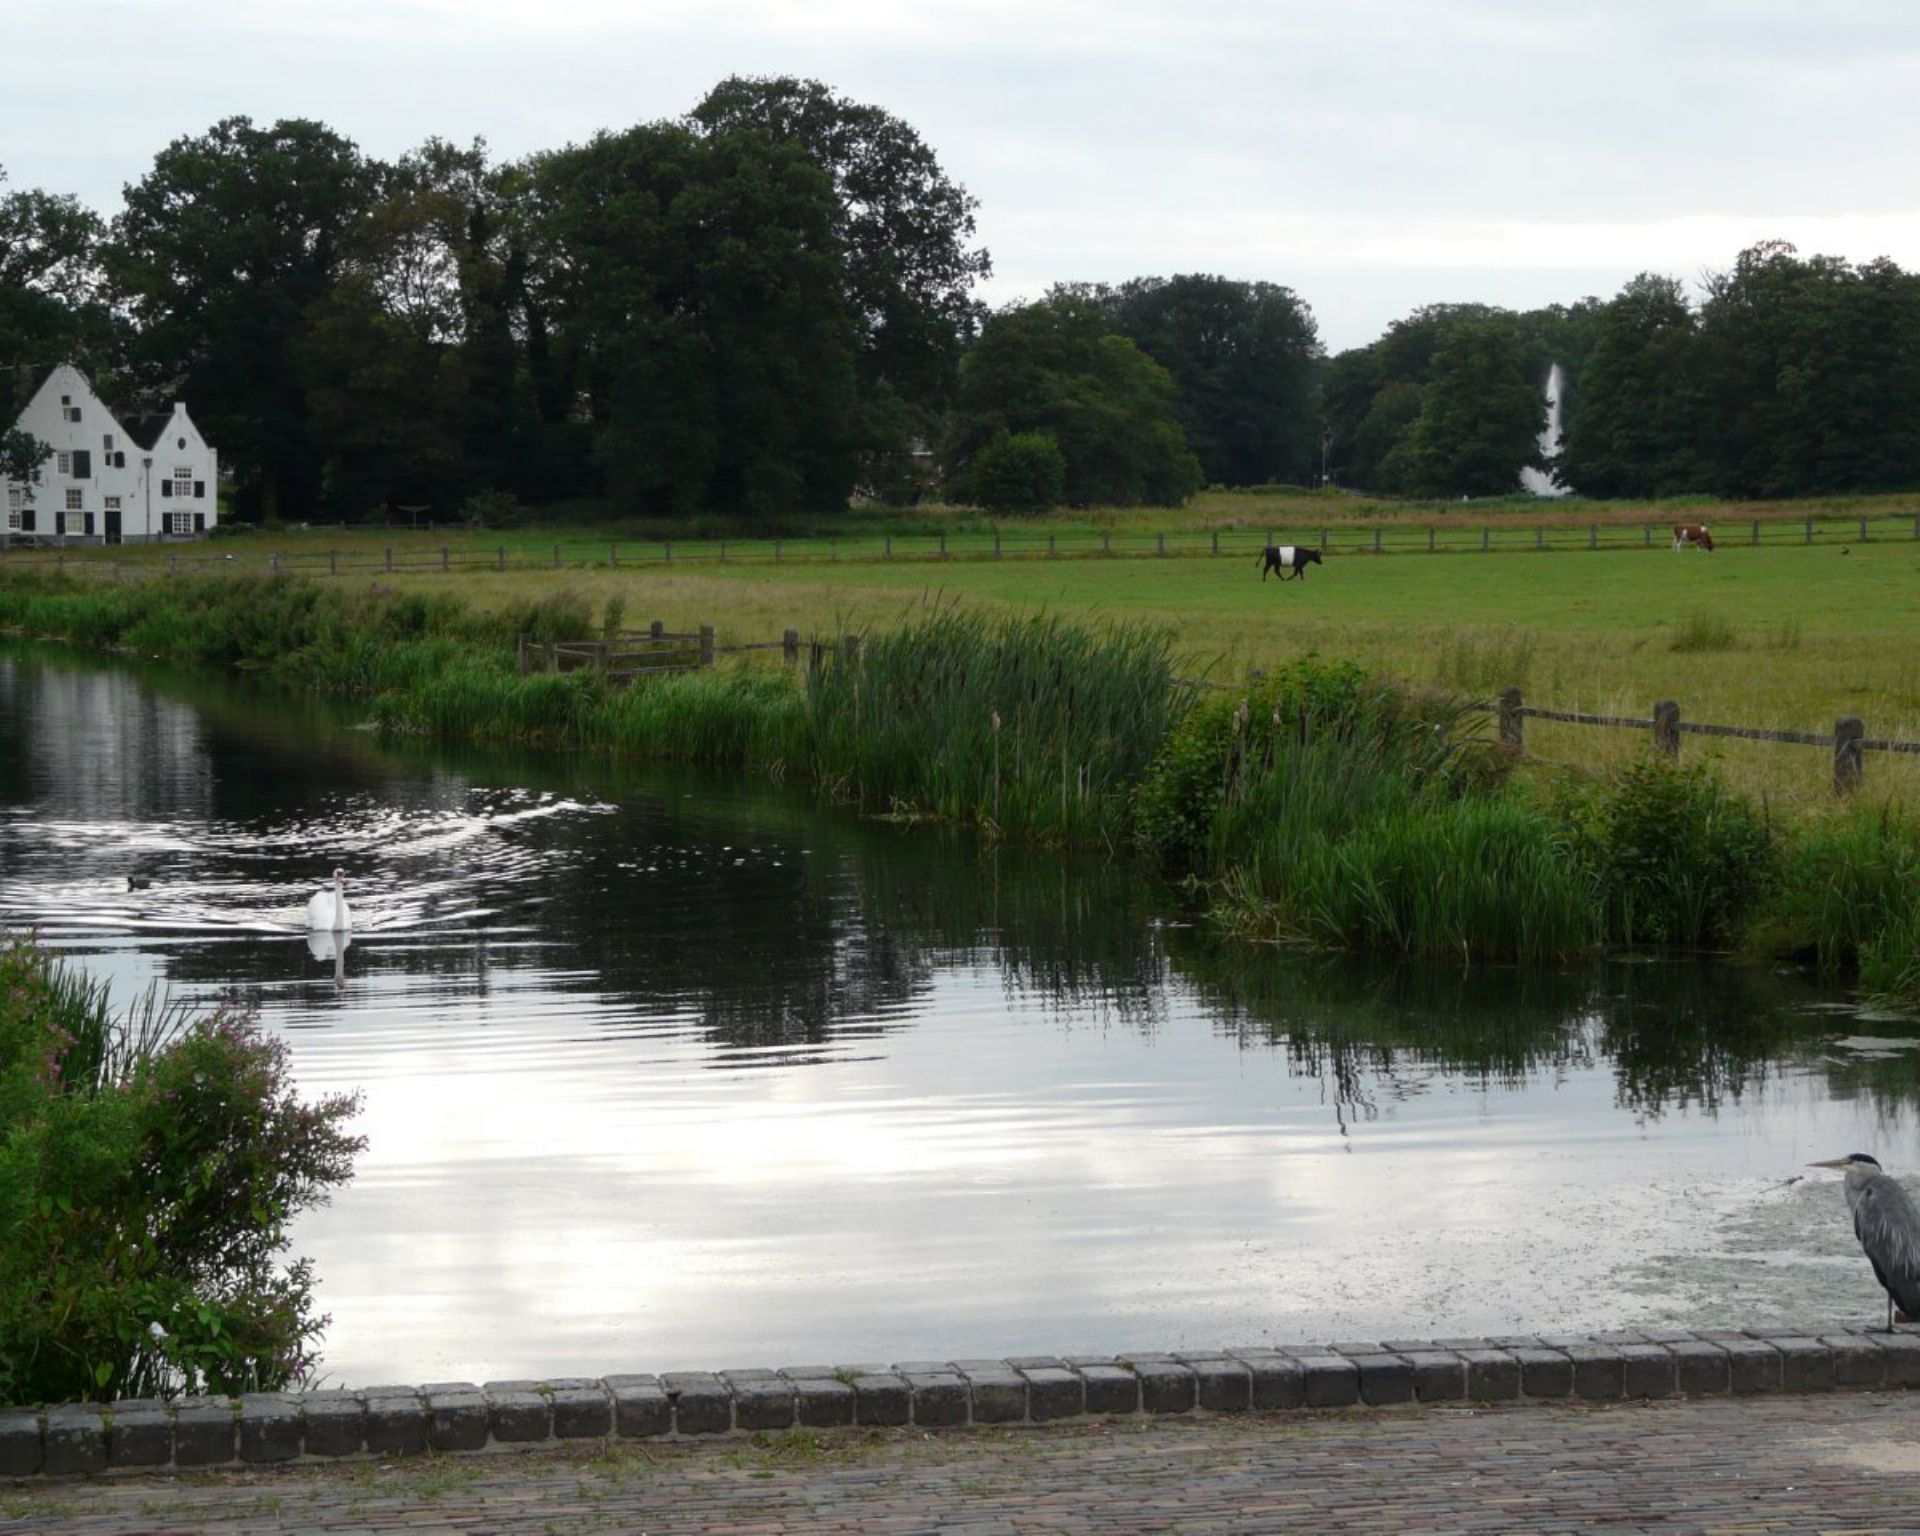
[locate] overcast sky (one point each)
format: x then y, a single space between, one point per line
1371 154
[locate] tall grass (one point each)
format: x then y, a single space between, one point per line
1848 900
1701 632
1033 724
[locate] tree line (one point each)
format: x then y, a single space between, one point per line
767 307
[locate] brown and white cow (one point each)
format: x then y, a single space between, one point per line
1692 536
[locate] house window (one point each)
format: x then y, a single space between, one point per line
106 441
73 498
73 413
183 479
179 522
16 504
63 462
113 503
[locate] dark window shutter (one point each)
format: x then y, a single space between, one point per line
199 522
119 460
166 489
199 489
83 463
89 524
60 522
26 519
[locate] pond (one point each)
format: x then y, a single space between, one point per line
667 1072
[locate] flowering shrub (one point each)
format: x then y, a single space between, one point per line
146 1184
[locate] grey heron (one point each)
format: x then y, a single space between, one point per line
1889 1231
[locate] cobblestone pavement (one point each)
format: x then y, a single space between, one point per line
1846 1463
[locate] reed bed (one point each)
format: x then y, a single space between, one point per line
1035 725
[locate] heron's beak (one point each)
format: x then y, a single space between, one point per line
1835 1162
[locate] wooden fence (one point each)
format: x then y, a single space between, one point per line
1848 741
988 544
630 654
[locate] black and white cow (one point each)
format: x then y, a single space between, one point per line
1290 560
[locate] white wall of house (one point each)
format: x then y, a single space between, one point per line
101 485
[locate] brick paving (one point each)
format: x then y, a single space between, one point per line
1845 1463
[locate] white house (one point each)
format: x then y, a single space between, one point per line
109 482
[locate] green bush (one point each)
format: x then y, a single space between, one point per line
1680 858
1018 473
149 1168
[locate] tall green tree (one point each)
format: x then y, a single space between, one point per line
53 307
694 290
1810 375
222 250
412 370
1243 357
1481 414
906 231
1636 432
1057 367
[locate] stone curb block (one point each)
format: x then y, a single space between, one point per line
457 1416
203 1432
396 1423
271 1427
77 1440
142 1434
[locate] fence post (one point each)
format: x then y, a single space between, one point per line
1756 530
613 556
1809 530
996 543
723 551
446 558
389 559
943 543
1863 530
1666 728
173 565
1539 536
556 556
1326 540
520 653
1216 541
276 562
1483 541
1513 724
1049 546
333 562
1106 540
790 646
503 557
706 645
656 629
1376 538
889 546
1429 538
1647 529
1849 761
1593 535
1163 546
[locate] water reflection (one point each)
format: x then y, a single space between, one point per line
665 1071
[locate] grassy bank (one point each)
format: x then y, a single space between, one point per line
1323 805
1779 636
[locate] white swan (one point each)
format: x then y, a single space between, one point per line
327 910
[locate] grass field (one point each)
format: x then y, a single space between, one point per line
1782 635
